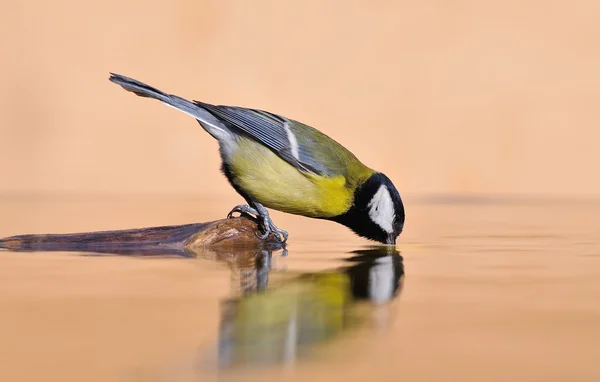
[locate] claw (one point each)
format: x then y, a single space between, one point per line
279 231
242 209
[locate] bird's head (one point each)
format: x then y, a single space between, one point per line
377 212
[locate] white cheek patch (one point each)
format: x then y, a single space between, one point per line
381 209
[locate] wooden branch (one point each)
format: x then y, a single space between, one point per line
235 233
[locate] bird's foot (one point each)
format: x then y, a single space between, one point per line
280 234
267 224
243 209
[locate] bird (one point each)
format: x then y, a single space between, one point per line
282 164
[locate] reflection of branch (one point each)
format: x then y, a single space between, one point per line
232 241
236 233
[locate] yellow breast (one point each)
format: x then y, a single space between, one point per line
276 184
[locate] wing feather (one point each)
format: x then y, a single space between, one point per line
269 129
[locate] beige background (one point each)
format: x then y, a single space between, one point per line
445 97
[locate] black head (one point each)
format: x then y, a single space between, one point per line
377 212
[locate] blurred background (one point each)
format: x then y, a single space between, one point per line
451 99
461 97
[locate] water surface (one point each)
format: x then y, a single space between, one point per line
473 291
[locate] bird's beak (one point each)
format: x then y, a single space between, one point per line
391 239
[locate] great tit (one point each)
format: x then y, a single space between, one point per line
276 162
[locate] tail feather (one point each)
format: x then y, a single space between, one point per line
206 119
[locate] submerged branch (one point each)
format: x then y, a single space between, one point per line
226 233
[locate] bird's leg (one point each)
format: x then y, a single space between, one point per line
262 214
268 225
243 209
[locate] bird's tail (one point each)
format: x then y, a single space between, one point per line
206 119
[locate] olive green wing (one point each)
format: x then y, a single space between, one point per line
302 146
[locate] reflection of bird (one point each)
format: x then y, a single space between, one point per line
272 326
376 275
279 163
279 323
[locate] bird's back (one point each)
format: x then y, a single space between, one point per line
328 156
